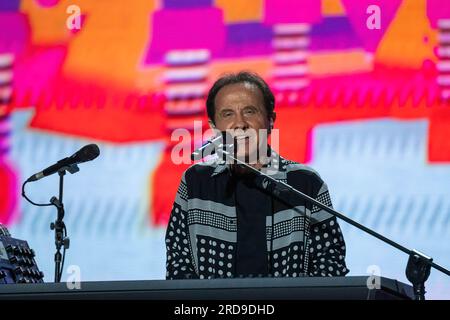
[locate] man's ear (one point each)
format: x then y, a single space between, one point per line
272 118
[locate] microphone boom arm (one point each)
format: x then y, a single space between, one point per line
418 266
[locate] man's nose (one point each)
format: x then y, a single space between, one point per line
240 123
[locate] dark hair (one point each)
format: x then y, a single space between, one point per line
241 77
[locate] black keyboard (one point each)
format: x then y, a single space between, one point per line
217 289
17 263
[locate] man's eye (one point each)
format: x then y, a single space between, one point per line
226 114
250 111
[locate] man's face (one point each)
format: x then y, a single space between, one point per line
238 109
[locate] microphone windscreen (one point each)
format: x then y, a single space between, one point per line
87 153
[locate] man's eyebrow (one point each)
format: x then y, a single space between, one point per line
231 109
226 109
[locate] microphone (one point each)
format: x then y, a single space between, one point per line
210 146
87 153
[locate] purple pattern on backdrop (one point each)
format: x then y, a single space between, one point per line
4 138
437 9
292 11
247 39
183 4
334 33
16 38
356 13
202 29
9 5
254 39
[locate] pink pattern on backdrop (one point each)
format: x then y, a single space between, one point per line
437 9
47 3
203 28
35 72
14 32
292 11
357 14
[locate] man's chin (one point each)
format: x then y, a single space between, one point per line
249 158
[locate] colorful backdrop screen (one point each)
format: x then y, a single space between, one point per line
362 95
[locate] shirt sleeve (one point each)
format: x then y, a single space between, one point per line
179 263
326 242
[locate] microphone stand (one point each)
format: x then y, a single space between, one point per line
61 239
419 265
87 153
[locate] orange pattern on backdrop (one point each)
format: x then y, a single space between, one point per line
332 8
409 40
110 45
48 25
238 10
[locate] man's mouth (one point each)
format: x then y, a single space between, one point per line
238 138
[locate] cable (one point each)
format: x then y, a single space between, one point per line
30 201
60 271
306 232
271 273
63 255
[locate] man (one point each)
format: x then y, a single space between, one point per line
223 224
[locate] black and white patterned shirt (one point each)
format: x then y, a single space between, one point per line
201 237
